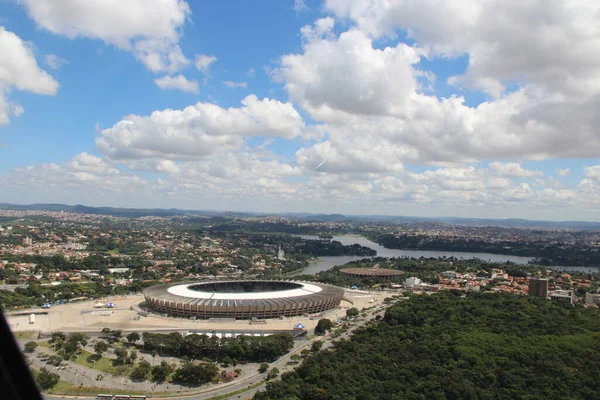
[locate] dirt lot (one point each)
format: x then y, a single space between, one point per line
84 317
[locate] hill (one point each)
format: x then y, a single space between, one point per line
484 346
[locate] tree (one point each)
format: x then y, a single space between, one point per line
323 326
117 333
263 368
131 357
121 353
316 346
227 361
296 357
100 347
30 346
154 354
273 373
141 372
352 312
54 360
46 379
106 332
133 337
160 372
195 374
58 336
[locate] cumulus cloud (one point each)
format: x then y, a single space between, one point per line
356 90
233 85
505 40
199 130
512 169
563 171
19 70
203 62
150 29
178 82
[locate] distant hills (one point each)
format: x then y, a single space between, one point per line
173 212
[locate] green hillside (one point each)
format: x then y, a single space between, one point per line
485 346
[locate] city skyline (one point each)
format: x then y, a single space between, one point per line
347 107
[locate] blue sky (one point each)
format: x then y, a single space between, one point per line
338 106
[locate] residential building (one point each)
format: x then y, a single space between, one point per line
538 287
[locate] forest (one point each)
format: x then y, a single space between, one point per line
313 247
543 253
483 346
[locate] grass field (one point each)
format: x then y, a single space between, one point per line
26 335
103 364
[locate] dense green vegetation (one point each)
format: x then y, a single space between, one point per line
241 348
37 295
483 346
427 269
313 247
543 253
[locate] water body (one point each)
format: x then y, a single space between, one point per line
328 262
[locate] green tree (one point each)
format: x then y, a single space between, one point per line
46 379
141 371
160 372
316 346
323 326
100 347
195 374
133 337
352 312
30 346
263 367
121 354
273 373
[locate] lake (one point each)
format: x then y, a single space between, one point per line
328 262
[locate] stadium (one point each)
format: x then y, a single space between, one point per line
242 299
361 273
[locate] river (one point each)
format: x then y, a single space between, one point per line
328 262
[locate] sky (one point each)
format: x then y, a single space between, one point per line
469 108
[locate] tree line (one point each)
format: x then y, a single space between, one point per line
240 348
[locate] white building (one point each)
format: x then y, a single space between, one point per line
413 281
592 298
280 254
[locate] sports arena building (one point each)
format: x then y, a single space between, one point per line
361 273
242 299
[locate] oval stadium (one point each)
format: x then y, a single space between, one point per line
242 299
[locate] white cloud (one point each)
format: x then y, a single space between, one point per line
300 5
199 131
357 90
233 85
346 75
203 62
54 61
251 73
505 40
563 171
19 70
178 82
512 169
148 28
